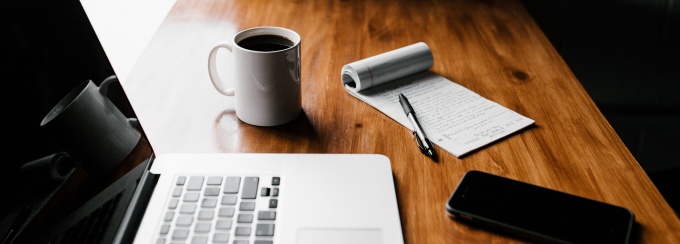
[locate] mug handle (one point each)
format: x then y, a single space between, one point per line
104 90
212 69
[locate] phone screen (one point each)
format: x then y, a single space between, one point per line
538 213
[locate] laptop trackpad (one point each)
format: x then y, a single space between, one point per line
337 236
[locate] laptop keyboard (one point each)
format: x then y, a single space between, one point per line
221 209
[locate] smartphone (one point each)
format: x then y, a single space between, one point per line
536 213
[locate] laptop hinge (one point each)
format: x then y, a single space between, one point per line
135 211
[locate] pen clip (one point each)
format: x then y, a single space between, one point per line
420 144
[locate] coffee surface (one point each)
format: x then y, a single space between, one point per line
265 43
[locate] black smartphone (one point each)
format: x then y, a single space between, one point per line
536 213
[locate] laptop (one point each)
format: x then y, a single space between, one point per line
48 48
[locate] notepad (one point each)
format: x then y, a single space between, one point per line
455 118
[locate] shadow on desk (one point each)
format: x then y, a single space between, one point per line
298 134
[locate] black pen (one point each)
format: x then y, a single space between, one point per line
421 139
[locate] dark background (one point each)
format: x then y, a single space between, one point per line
626 54
47 48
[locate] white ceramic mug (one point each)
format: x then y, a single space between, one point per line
266 80
91 128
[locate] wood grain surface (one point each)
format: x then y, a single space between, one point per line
493 48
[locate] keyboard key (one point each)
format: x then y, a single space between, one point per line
173 203
229 200
199 240
206 214
273 203
263 242
165 229
264 191
212 191
264 230
191 196
180 234
160 241
187 208
226 212
250 187
247 206
245 218
221 237
232 185
214 180
169 215
195 183
223 224
209 203
276 181
242 231
177 191
266 215
180 180
275 192
241 242
202 227
184 221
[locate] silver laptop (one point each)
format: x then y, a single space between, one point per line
175 198
272 198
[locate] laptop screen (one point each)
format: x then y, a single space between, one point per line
48 48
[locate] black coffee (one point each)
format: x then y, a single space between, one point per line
265 43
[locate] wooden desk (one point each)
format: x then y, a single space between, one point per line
491 47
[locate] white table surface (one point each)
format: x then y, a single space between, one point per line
125 27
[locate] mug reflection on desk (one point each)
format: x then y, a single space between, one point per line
91 128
